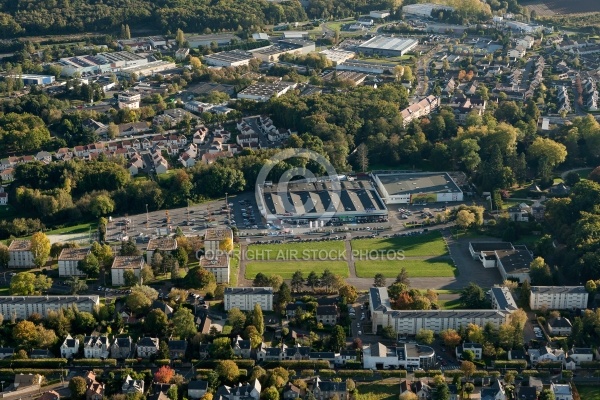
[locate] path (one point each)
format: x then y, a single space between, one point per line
350 259
563 175
242 281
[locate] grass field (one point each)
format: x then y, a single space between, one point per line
386 389
69 230
287 268
453 304
415 268
430 244
301 251
589 392
234 268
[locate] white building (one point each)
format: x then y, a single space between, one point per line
337 56
517 52
526 42
147 347
161 244
69 347
21 307
562 391
20 255
213 237
405 356
420 109
263 91
96 347
379 14
581 354
68 261
424 9
245 298
129 100
476 348
218 265
558 297
132 386
234 58
124 263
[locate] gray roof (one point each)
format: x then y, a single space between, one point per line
327 310
490 246
560 322
330 386
198 385
7 350
148 342
177 345
322 355
248 290
558 289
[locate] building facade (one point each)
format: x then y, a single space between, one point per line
245 298
218 265
124 263
68 261
558 297
20 255
21 307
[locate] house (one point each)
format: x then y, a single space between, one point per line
545 354
162 306
517 52
405 387
290 309
345 356
3 198
7 175
132 386
6 352
159 391
561 391
455 393
246 391
327 315
69 259
324 390
135 165
40 353
494 392
147 347
297 352
475 348
121 348
197 389
526 42
69 348
94 389
25 383
405 355
517 354
291 391
559 326
581 354
241 347
200 135
177 349
519 212
421 389
20 255
96 347
43 156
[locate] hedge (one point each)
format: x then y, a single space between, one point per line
510 364
13 371
162 362
95 362
397 373
549 365
451 373
327 373
302 364
429 374
590 364
353 365
479 374
248 364
34 363
356 373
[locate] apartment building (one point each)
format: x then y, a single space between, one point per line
420 109
68 261
20 255
129 100
213 238
409 322
218 265
124 263
21 307
160 244
558 297
245 298
406 355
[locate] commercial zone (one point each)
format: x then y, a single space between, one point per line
388 46
397 188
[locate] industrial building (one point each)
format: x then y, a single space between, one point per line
148 69
411 188
424 9
100 63
388 46
233 58
222 39
365 67
337 56
29 79
284 46
304 202
263 91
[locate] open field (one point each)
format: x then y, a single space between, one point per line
234 268
287 268
70 230
430 244
415 268
386 389
296 251
549 8
588 392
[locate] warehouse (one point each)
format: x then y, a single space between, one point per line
388 46
34 79
284 46
342 201
417 188
424 10
233 58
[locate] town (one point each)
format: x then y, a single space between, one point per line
253 200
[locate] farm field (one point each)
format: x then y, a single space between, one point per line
386 389
416 268
287 268
427 245
588 392
296 251
548 8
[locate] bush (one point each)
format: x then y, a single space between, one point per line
590 364
303 364
355 374
211 364
397 373
520 364
35 363
94 362
451 373
326 373
162 362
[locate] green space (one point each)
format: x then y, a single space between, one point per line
71 230
339 24
287 268
386 389
296 251
430 244
416 268
453 304
583 174
588 392
234 267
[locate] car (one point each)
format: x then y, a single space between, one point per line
362 318
358 325
359 333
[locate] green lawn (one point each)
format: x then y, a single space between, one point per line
287 268
583 174
302 251
589 392
415 268
81 228
449 304
386 389
430 244
234 268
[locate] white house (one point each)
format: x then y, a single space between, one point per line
407 356
517 52
526 42
132 386
559 326
197 389
581 354
562 391
69 348
3 198
476 348
147 347
96 347
68 261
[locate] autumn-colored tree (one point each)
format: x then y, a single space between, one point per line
164 374
227 370
468 368
450 337
404 301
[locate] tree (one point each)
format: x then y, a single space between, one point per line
465 218
312 280
362 157
425 336
128 248
113 130
547 394
40 248
220 349
349 293
129 277
226 245
236 318
379 280
156 262
284 295
441 392
407 75
468 355
137 302
164 374
258 319
24 333
102 205
184 325
180 38
409 396
227 370
84 321
89 265
402 277
297 281
77 285
467 367
260 280
551 152
337 340
156 323
77 388
450 337
468 388
270 394
28 284
4 256
146 274
473 297
275 281
389 332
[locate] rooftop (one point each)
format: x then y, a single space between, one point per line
398 184
128 262
478 247
248 290
558 289
163 244
229 56
389 43
218 234
73 253
216 261
515 260
20 245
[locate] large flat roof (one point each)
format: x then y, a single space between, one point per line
389 43
436 182
306 198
